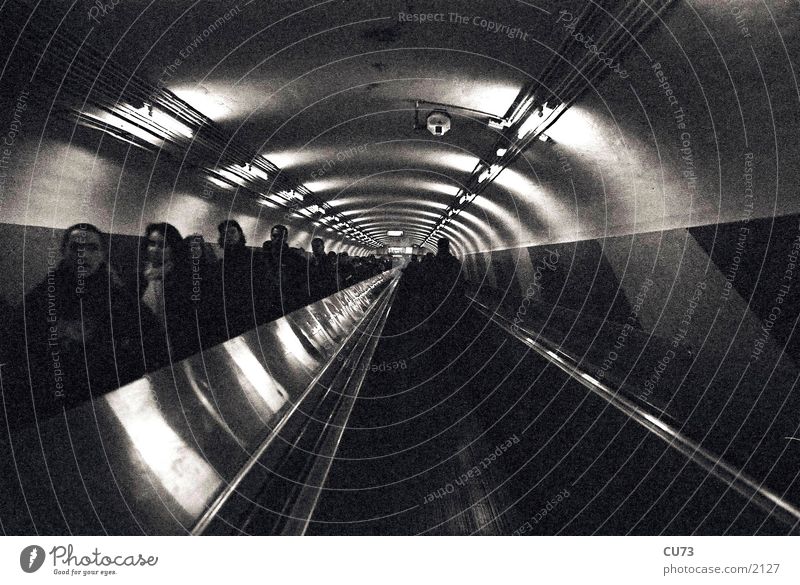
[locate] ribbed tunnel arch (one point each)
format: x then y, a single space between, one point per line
617 182
346 117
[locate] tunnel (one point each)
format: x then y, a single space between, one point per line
486 267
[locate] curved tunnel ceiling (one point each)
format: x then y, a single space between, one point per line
327 92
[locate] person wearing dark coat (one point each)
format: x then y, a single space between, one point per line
241 277
206 292
447 270
320 273
285 274
345 275
80 329
443 284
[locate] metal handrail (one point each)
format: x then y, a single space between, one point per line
220 501
306 501
735 478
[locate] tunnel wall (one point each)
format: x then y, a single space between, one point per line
54 174
728 291
697 324
702 131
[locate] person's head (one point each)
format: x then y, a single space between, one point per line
443 246
318 246
332 255
231 234
163 243
279 236
83 249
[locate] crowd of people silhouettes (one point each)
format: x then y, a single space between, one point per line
85 330
431 293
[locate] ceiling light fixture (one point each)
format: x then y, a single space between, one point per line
165 121
219 183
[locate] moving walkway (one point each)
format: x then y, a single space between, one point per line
341 418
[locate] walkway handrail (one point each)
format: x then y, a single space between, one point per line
735 478
159 455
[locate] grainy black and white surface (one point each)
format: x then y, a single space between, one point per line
609 347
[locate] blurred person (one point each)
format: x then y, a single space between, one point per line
369 266
444 281
411 273
206 291
377 265
426 269
410 292
321 277
345 276
285 271
357 265
333 261
169 318
444 260
80 326
241 278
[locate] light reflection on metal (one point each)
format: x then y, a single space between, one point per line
519 111
291 343
201 392
177 438
443 188
258 173
177 467
290 195
253 377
